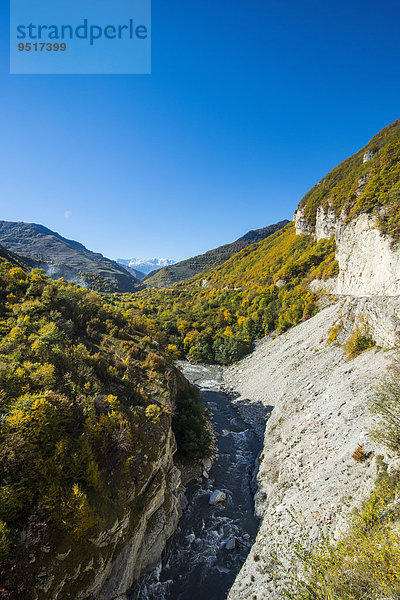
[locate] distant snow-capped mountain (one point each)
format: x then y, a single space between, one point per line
145 265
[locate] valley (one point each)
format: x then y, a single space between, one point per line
291 334
198 560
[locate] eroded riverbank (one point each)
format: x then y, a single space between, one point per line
196 563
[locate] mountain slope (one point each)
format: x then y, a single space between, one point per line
213 258
367 182
282 257
351 222
263 288
66 258
359 204
88 485
134 272
16 260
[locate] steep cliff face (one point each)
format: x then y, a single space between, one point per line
369 263
135 527
358 203
369 271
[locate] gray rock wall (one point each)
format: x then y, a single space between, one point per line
369 264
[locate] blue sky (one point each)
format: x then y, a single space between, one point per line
248 105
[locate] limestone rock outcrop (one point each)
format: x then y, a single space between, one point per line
369 263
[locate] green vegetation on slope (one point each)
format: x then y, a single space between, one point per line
355 187
213 258
242 301
85 399
66 258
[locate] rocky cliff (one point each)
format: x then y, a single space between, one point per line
369 262
137 519
369 270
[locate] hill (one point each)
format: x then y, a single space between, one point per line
16 260
65 258
213 258
366 183
134 272
86 439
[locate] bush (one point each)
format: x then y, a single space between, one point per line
359 455
386 406
191 429
334 332
153 413
230 349
359 341
5 540
77 514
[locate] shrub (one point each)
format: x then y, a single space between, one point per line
5 540
359 341
334 332
153 413
359 455
386 406
230 349
190 426
77 514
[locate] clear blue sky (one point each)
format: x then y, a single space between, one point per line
248 105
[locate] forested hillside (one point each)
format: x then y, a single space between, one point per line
367 182
262 289
213 258
18 261
85 395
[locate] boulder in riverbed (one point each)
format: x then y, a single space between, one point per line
217 497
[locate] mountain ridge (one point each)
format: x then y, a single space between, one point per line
65 258
191 267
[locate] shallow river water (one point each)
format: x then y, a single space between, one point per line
196 564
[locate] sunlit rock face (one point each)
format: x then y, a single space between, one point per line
369 264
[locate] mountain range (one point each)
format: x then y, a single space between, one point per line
144 266
65 258
71 260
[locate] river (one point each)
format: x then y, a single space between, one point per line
196 565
